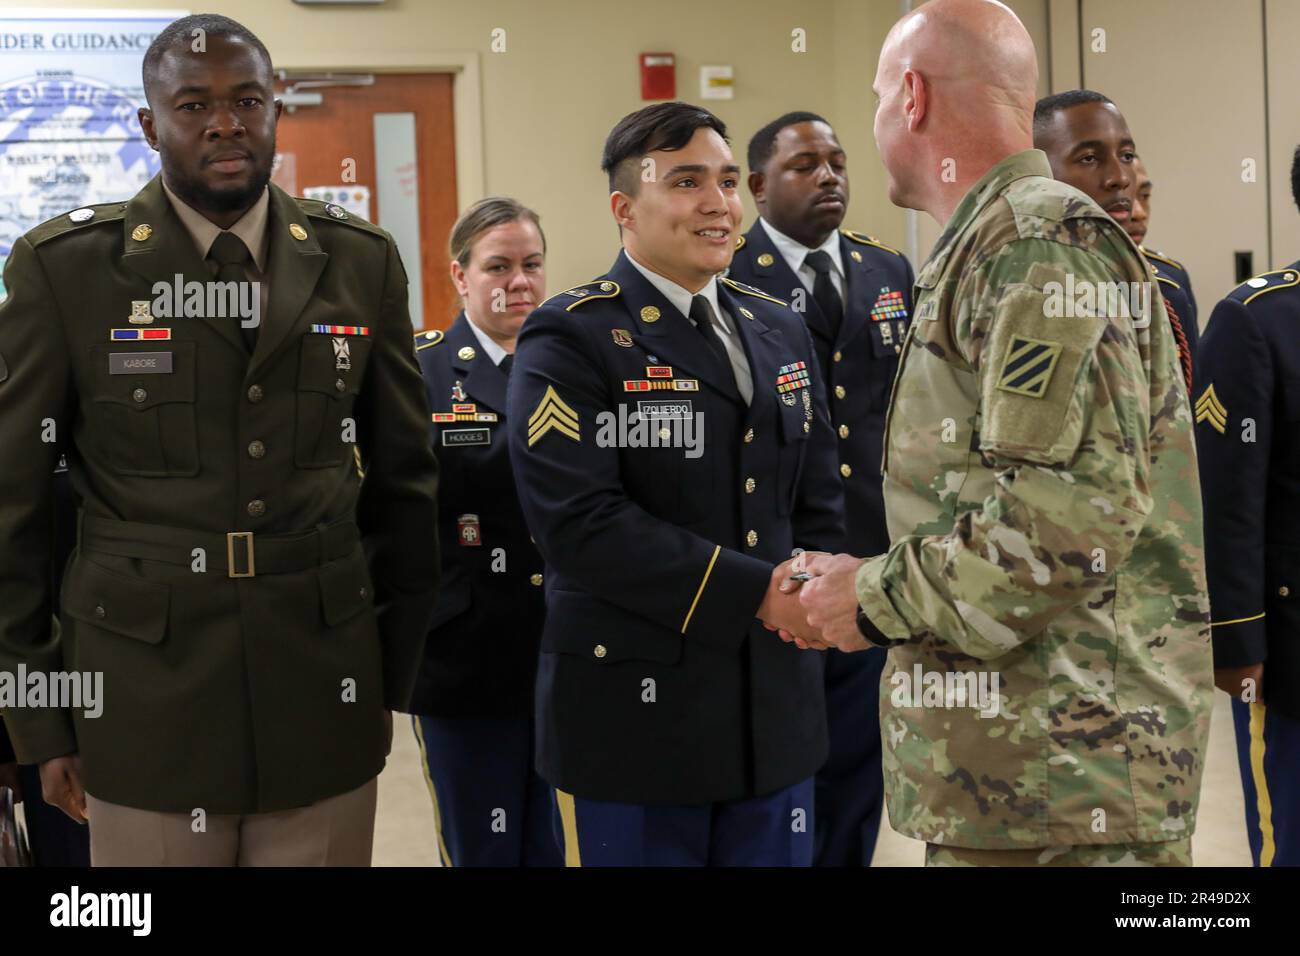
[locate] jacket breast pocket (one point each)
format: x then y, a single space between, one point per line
796 426
144 423
329 379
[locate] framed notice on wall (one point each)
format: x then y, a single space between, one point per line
69 90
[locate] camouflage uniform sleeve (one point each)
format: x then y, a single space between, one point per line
1062 419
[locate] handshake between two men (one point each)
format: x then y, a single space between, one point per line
812 601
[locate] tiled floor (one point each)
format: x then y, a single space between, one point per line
404 830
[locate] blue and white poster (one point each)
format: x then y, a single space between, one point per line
69 90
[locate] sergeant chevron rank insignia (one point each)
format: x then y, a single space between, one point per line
1210 409
552 413
1029 366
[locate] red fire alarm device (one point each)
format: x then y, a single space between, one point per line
658 76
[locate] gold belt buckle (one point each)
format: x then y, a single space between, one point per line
247 537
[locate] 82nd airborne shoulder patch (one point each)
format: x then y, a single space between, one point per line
1028 367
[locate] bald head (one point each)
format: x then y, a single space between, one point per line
957 81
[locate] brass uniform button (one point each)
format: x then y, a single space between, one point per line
363 592
749 435
845 470
256 449
844 431
765 260
139 394
599 650
297 231
751 539
1283 591
255 393
750 485
536 580
340 385
466 353
256 508
837 356
839 391
99 611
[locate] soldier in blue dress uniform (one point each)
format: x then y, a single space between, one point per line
672 448
473 698
1248 445
855 295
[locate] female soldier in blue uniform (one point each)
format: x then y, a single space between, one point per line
474 698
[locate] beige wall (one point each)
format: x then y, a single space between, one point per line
570 72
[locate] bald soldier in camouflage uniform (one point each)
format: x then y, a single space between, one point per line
1048 693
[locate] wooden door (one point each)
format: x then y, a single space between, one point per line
315 143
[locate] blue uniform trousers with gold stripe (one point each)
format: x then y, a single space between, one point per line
1268 752
772 830
850 785
490 807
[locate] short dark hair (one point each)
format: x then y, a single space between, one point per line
666 126
182 31
1047 108
763 143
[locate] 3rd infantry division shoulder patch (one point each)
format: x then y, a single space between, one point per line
1029 366
552 412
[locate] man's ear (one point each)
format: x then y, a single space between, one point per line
279 108
145 115
622 206
757 183
916 99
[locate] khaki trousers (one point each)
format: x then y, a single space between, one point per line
337 831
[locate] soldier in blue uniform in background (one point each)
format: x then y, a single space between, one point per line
474 695
672 448
855 294
1175 283
1088 143
1248 444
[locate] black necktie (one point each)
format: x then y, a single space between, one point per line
505 363
231 256
828 300
702 316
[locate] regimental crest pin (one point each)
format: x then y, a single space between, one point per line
342 354
622 337
788 398
140 314
458 392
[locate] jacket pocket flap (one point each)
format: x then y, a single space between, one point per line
130 606
453 601
584 625
345 588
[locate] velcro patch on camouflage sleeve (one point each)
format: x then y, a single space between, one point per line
1032 370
